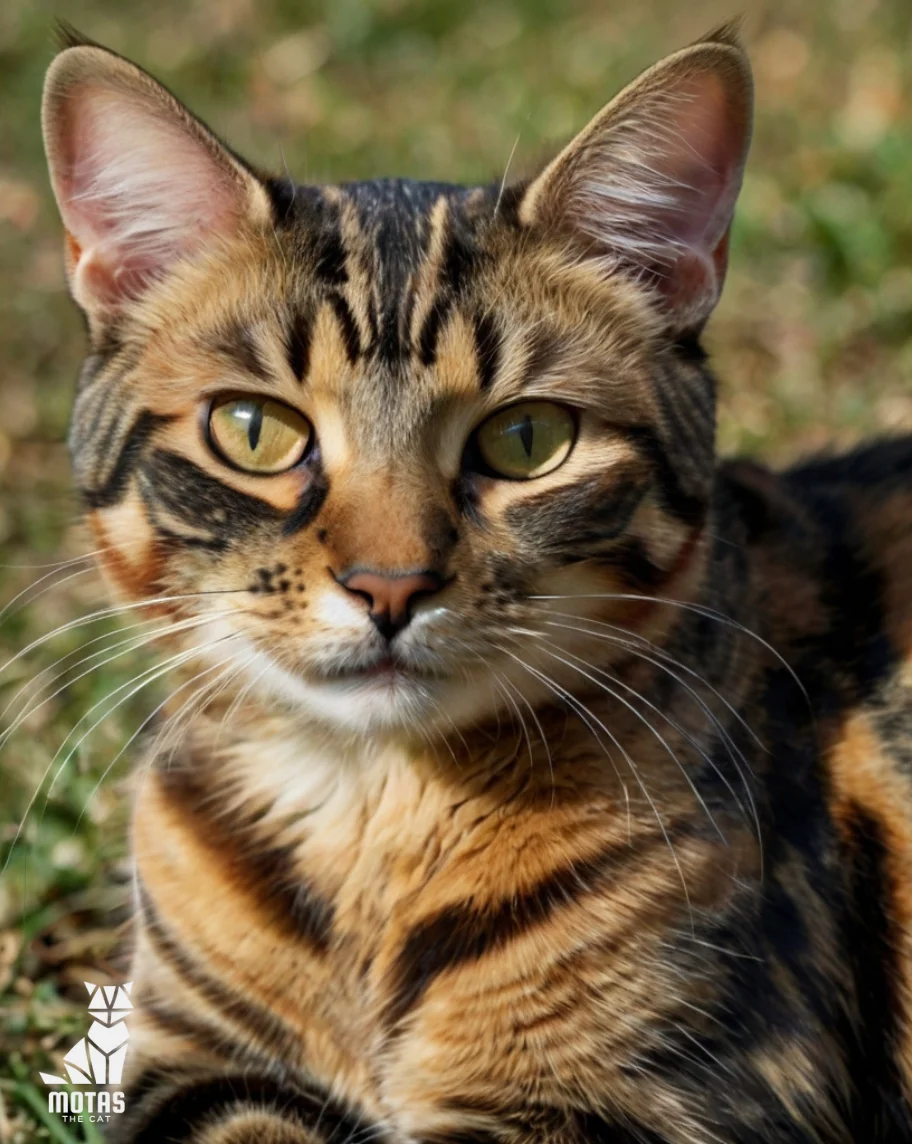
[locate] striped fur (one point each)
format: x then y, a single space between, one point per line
616 844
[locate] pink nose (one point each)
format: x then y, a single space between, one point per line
391 597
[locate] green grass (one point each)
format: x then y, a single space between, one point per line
813 339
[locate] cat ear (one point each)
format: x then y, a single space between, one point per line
139 181
649 187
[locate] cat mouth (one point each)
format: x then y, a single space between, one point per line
386 670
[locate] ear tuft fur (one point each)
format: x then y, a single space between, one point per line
66 36
728 33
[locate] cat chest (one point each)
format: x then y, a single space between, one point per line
412 976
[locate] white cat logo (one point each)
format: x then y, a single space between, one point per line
99 1057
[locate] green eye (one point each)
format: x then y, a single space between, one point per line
258 435
527 440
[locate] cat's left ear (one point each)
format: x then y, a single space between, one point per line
140 182
649 187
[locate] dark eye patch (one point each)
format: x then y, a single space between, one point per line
135 441
189 494
577 523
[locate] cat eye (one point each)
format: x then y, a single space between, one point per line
527 440
258 435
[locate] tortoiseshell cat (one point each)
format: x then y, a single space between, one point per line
542 781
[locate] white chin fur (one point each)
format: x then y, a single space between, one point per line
369 705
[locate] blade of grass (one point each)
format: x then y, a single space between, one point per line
28 1095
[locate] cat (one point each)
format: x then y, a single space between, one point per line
537 777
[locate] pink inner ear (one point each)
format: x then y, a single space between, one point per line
702 171
703 165
137 190
651 185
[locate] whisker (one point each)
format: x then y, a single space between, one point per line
700 610
145 723
500 682
632 639
554 686
8 610
735 754
639 715
543 737
33 680
146 677
503 181
114 610
239 699
136 642
68 563
176 722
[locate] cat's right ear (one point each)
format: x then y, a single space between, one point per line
648 189
140 182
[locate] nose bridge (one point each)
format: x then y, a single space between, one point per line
393 524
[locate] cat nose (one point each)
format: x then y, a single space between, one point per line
391 596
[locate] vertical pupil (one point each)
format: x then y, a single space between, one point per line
255 426
526 434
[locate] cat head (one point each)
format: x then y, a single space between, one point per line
390 449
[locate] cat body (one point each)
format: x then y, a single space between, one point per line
537 778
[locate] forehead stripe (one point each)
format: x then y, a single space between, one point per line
239 343
487 349
458 259
347 325
431 328
298 337
329 257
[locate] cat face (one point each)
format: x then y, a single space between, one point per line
380 447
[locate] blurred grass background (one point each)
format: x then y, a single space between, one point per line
812 342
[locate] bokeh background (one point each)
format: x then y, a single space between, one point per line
812 342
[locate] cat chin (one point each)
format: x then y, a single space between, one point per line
370 704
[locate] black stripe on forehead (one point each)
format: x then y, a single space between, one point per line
238 342
430 330
348 327
459 258
460 254
329 255
315 218
394 218
298 338
487 349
